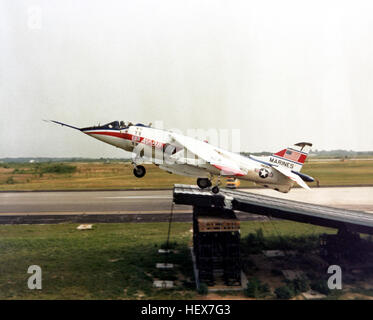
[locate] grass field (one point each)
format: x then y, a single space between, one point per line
117 175
348 172
112 261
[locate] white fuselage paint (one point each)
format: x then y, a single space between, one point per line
129 138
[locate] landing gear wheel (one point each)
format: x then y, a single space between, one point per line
203 183
215 189
139 171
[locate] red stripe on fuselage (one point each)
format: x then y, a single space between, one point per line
129 137
234 172
125 136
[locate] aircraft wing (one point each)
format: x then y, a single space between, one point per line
292 176
210 154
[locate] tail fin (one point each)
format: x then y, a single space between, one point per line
292 157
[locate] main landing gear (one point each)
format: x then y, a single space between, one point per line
215 189
204 183
139 171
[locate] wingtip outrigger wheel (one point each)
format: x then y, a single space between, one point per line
139 171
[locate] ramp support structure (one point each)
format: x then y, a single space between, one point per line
216 246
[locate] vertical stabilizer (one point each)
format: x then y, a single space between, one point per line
292 157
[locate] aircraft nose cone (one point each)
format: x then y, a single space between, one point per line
85 129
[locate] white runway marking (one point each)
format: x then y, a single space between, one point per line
95 212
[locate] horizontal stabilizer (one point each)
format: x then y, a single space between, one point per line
292 176
304 176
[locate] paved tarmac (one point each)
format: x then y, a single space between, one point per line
160 201
148 205
113 202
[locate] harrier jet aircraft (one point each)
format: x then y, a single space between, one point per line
183 155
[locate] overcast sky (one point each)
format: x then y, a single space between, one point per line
280 71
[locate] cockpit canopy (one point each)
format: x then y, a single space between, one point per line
117 125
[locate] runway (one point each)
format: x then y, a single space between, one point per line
148 205
109 202
90 207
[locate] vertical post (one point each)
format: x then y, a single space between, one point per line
216 242
169 227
